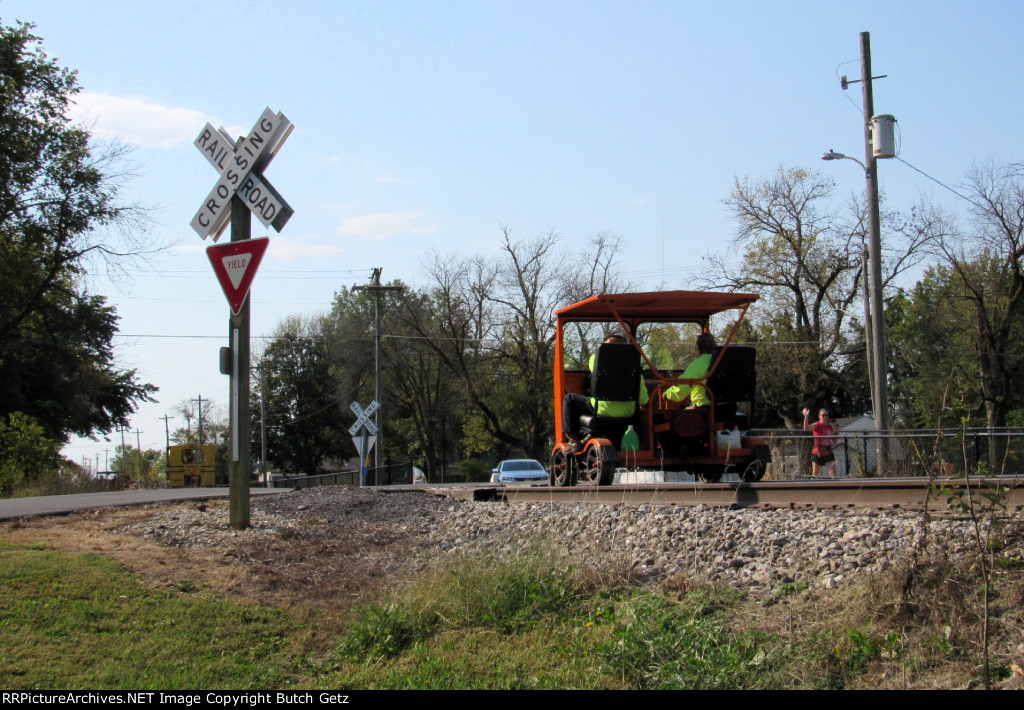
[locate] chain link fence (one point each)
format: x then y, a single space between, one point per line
917 452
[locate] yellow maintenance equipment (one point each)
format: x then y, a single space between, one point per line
191 465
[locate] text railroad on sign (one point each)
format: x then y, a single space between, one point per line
241 173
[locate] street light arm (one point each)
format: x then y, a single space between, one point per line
832 155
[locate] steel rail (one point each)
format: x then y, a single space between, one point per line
905 493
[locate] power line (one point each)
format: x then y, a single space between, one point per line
482 341
939 183
205 273
216 300
187 337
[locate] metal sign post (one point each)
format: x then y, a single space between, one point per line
240 465
240 192
364 435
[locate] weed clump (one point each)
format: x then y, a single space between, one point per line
505 594
663 644
930 592
384 630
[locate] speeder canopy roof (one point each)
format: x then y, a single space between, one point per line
656 306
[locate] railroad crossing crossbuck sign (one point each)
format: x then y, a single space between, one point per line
363 417
364 430
241 173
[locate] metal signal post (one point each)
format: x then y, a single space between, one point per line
241 464
240 192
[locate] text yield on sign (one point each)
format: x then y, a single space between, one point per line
235 264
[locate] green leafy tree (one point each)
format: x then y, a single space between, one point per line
59 211
467 361
985 259
146 467
425 401
965 319
932 360
349 338
26 453
305 424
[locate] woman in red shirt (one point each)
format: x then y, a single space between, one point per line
824 440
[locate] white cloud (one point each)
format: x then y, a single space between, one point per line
191 248
303 247
393 180
280 249
137 121
385 226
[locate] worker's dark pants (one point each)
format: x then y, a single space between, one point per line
574 406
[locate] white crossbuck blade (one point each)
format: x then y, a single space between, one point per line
240 171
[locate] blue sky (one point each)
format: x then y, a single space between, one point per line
425 126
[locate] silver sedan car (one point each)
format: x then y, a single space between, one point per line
519 470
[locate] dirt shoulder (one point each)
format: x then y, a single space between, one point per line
319 553
319 550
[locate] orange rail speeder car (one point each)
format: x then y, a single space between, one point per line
659 329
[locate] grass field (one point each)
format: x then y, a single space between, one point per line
84 621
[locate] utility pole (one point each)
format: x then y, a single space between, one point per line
121 428
138 450
868 338
878 354
259 367
167 444
875 319
376 288
167 431
200 423
263 427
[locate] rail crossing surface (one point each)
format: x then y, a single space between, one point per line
906 493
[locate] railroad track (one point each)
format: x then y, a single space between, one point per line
903 493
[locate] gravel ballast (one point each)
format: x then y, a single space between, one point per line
752 549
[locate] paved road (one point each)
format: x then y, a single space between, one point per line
55 505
